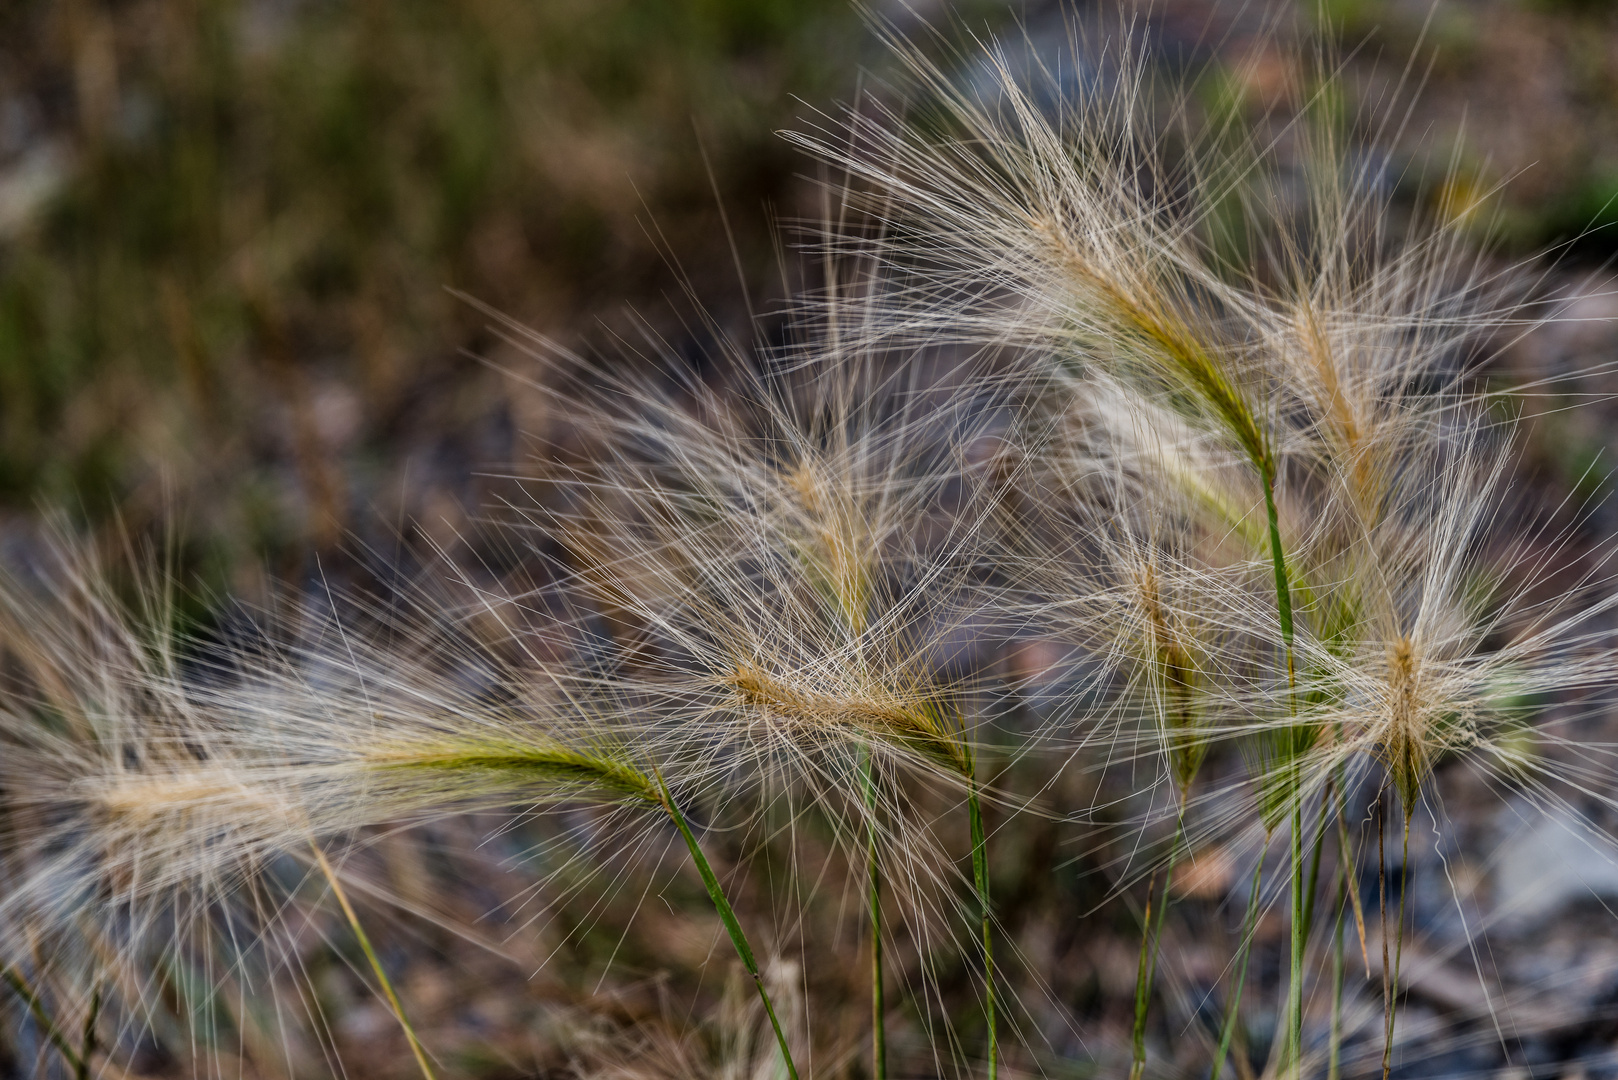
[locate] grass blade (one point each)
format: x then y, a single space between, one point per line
42 1017
1244 951
879 1038
1295 985
1391 978
1143 978
728 916
1334 1066
375 962
1151 939
87 1040
980 877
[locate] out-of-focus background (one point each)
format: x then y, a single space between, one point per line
229 228
232 234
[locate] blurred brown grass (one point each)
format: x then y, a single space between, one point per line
227 228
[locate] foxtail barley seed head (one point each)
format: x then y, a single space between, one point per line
1262 515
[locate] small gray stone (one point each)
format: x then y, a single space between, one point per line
1549 860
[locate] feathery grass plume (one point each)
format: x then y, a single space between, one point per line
1175 675
177 792
1268 510
117 828
783 545
1119 568
119 824
1369 332
1335 371
1056 216
528 730
1364 335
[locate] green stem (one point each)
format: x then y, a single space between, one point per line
879 1040
1295 987
1245 951
1137 1059
1151 939
1283 590
1392 979
1334 1064
42 1017
375 961
1346 879
1314 860
1382 910
728 917
980 877
1283 611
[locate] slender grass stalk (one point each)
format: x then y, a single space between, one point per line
1283 611
728 916
1347 893
1283 588
873 870
1295 985
980 877
1151 940
1185 748
1244 952
1382 905
838 556
375 962
42 1017
1334 1062
1318 848
922 729
1310 895
1350 864
1137 1060
505 763
87 1040
1391 978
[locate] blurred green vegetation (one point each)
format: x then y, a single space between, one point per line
1500 113
226 229
227 226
